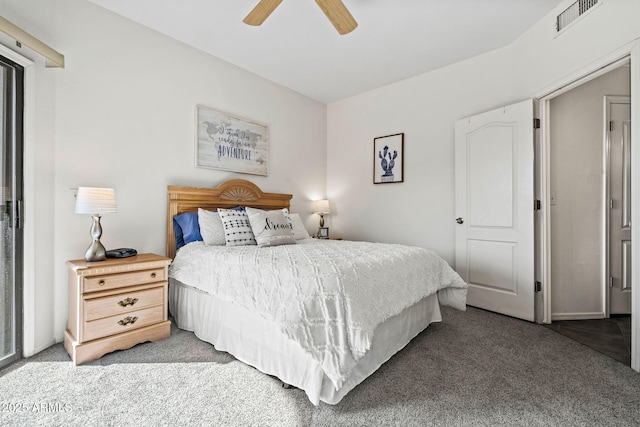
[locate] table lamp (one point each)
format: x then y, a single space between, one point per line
95 201
321 207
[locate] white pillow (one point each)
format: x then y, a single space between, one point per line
270 228
237 229
211 228
299 230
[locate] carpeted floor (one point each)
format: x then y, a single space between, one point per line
476 368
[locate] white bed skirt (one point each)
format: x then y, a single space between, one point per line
260 343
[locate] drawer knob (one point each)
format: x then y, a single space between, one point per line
127 320
153 275
101 282
127 301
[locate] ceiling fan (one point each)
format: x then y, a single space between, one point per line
335 10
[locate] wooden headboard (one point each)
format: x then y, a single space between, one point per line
227 195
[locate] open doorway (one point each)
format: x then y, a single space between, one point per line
589 212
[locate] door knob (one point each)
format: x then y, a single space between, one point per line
459 220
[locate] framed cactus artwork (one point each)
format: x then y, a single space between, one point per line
388 159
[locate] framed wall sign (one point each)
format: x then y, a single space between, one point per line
388 159
231 143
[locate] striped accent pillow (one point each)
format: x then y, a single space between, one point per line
237 228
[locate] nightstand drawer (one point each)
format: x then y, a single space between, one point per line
122 322
114 305
100 283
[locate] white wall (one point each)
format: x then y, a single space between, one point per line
121 115
420 211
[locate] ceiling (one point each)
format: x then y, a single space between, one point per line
298 47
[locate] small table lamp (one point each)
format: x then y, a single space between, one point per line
321 207
94 201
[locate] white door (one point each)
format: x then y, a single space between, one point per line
494 155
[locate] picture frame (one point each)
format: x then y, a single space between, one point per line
230 143
323 232
388 159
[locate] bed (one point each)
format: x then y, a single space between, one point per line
321 315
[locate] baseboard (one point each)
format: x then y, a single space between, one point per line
40 348
577 316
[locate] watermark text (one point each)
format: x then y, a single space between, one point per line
34 407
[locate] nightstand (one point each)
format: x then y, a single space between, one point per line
116 304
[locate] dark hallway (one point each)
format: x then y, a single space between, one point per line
611 337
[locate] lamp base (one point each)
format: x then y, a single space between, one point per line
95 252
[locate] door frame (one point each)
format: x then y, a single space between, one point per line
12 167
629 52
28 214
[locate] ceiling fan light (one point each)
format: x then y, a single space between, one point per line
261 12
338 15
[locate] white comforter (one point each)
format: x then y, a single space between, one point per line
326 295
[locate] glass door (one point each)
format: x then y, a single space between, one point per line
11 106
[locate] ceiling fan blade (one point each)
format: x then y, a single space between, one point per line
339 15
261 12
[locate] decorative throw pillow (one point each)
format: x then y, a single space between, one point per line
270 228
186 228
299 230
211 228
237 229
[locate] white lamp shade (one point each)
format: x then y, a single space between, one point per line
321 207
93 200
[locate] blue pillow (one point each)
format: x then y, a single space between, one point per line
177 231
186 228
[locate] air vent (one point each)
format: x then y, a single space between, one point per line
573 12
